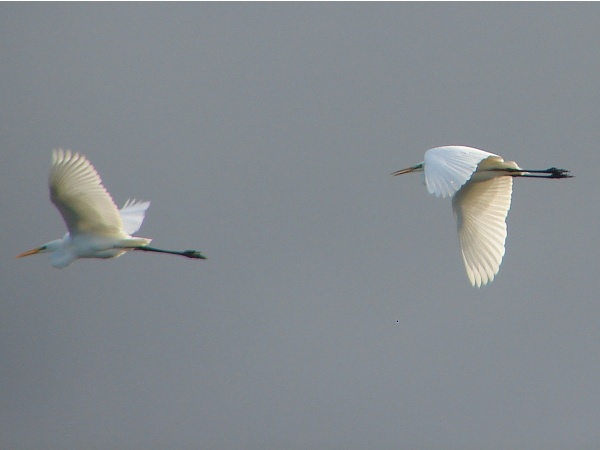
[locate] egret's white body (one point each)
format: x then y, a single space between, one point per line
97 228
480 184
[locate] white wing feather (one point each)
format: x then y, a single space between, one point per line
447 169
481 209
132 215
77 191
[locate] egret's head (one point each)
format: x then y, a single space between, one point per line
48 247
33 251
418 168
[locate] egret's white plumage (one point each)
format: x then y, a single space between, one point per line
481 186
97 228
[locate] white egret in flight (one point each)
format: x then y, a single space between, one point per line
97 229
481 186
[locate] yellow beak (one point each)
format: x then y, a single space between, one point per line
403 171
418 167
33 251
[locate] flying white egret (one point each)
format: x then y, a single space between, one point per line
481 186
97 229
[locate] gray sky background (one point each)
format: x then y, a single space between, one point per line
334 310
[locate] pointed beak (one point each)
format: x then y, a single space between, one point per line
33 251
408 169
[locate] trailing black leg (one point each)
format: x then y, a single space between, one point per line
195 254
552 172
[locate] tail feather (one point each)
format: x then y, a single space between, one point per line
134 242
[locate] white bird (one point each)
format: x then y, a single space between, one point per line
97 229
481 186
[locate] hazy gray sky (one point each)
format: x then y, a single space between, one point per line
334 310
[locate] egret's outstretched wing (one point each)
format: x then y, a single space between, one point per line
77 191
132 215
447 169
480 210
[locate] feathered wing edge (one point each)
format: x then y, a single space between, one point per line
78 193
132 215
480 210
448 168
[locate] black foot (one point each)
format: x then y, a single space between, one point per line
558 173
193 254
